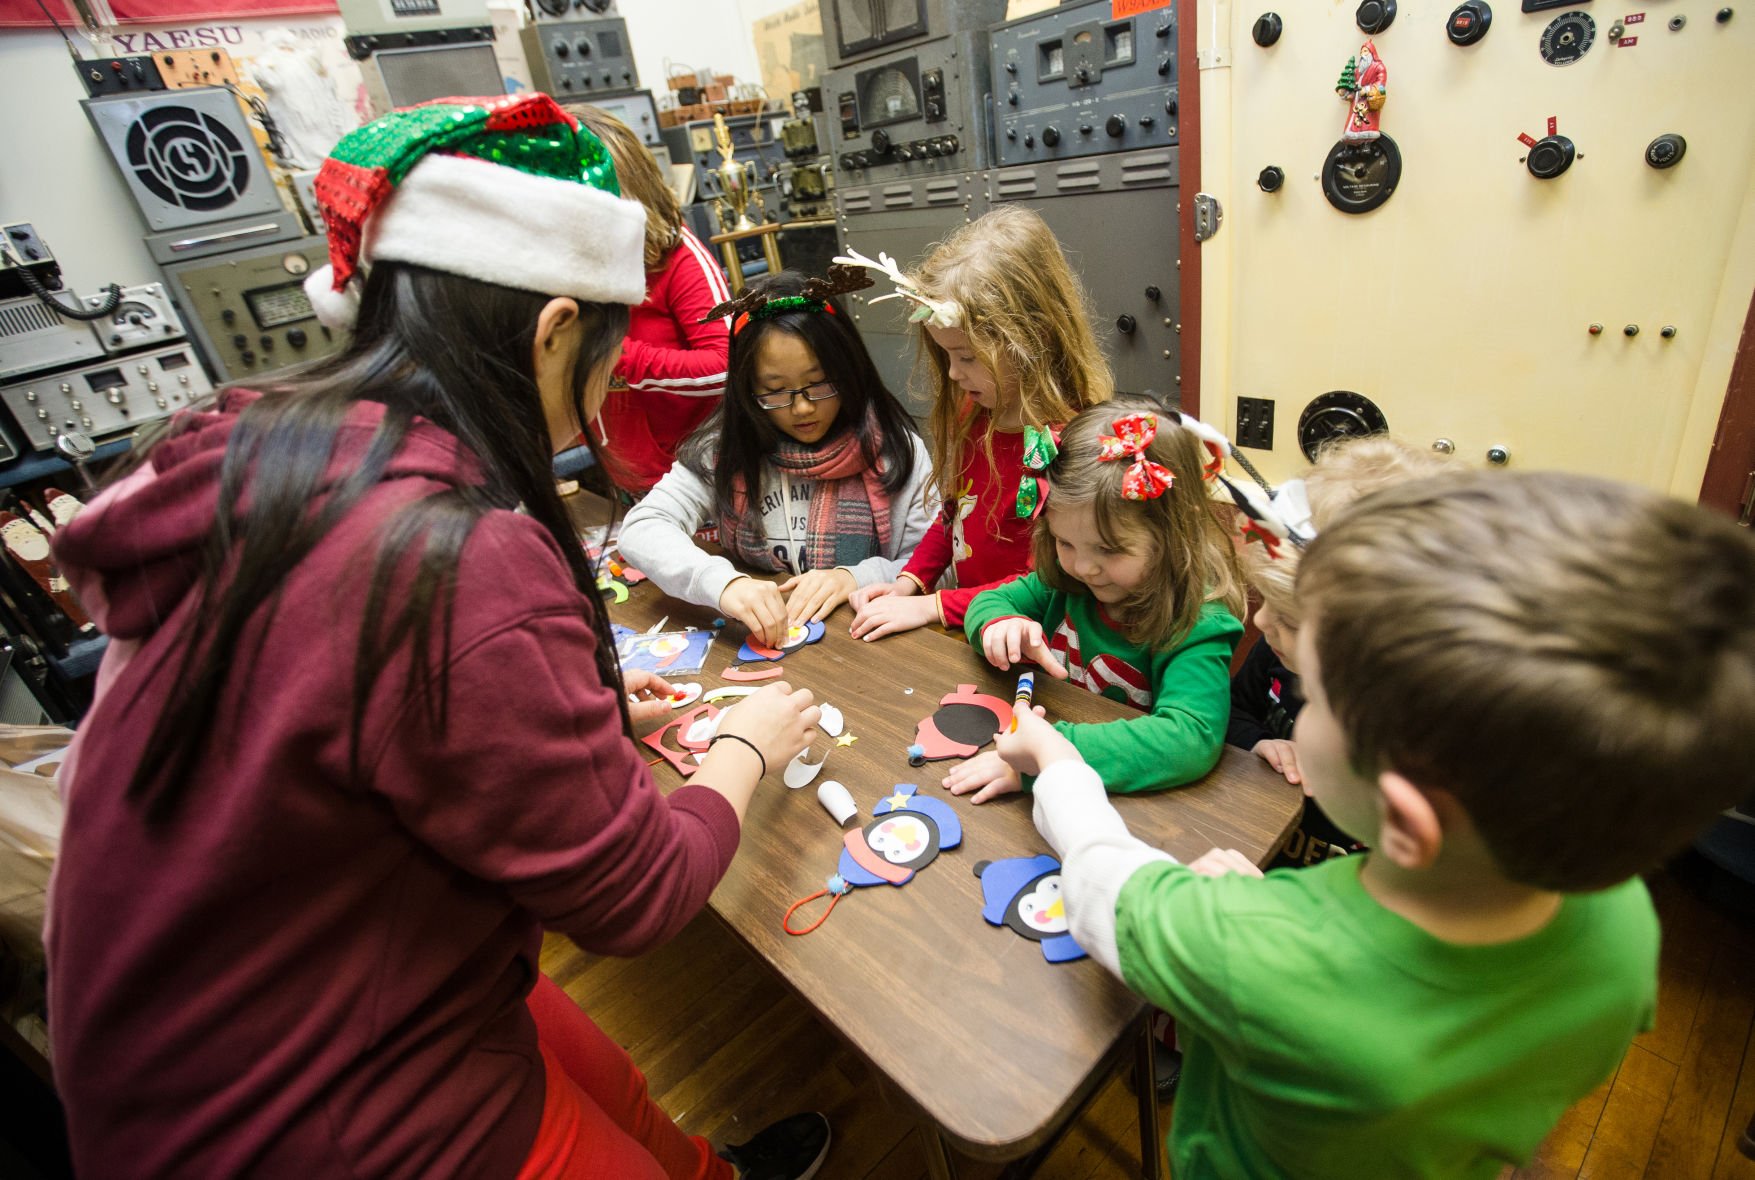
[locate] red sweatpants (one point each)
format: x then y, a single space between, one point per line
598 1122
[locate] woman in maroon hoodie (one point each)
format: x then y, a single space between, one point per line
357 740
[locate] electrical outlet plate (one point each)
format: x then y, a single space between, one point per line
1255 423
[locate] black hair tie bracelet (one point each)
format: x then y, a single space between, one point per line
736 737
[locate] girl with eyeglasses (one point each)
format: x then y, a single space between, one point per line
811 468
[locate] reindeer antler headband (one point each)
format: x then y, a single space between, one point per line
1272 516
813 296
938 313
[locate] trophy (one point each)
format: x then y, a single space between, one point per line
737 184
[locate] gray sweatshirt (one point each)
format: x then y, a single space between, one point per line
658 536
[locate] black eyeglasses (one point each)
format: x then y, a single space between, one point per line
781 399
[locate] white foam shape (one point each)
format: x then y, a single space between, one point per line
831 722
800 773
835 799
691 693
702 729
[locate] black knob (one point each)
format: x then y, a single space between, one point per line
1665 151
1029 140
583 45
948 144
1153 294
228 315
1050 135
905 152
249 358
1267 29
1374 16
1012 97
1271 178
1630 330
1147 120
1116 126
1125 324
240 341
1164 26
1170 105
1011 67
562 49
1011 133
296 337
1085 129
267 344
1163 65
1552 155
880 141
1468 22
1724 16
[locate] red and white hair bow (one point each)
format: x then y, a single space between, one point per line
1145 480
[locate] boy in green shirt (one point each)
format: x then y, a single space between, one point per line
1523 690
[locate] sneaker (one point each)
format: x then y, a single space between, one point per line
792 1149
1166 1070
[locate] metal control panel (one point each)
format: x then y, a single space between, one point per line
34 337
1133 278
637 110
249 311
144 317
1073 82
106 399
910 113
573 59
367 17
856 29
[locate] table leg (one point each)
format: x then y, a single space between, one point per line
940 1163
733 268
1151 1137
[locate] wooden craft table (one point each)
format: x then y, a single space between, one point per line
991 1045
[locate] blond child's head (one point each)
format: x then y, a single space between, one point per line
637 171
1345 470
1567 660
1022 349
1153 563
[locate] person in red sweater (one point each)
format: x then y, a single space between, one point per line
672 373
358 738
1006 326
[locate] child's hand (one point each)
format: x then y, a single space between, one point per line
1220 862
987 775
901 587
892 614
649 697
815 594
1032 743
1013 641
1281 755
759 606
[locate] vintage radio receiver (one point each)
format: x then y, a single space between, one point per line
912 113
1073 82
546 11
637 110
573 59
364 18
248 309
853 29
112 397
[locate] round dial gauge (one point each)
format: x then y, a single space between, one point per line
1567 38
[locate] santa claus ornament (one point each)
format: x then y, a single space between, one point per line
1364 167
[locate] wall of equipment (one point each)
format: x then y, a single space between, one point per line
1072 112
1548 266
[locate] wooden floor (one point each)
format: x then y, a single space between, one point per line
727 1049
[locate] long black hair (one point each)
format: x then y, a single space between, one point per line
732 447
455 351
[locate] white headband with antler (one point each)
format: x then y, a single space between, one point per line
938 313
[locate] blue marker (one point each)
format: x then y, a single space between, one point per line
1021 698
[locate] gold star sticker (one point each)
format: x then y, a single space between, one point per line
846 739
898 801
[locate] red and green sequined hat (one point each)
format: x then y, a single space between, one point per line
509 190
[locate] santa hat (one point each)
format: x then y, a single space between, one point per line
509 190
